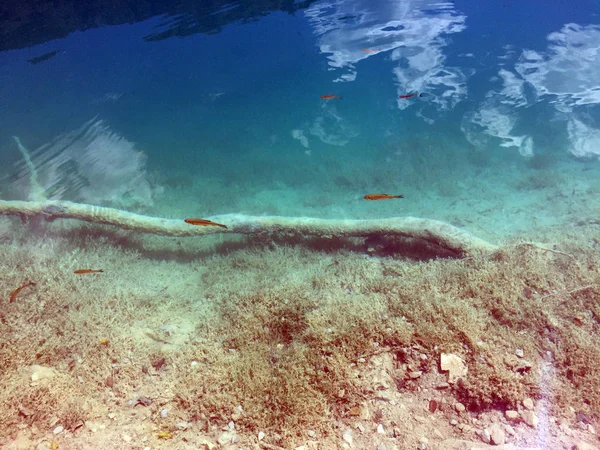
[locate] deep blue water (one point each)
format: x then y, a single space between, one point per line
234 95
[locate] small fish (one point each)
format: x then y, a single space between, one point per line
329 96
370 50
381 196
86 271
204 223
16 292
410 95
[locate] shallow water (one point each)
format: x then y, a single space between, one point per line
218 109
485 116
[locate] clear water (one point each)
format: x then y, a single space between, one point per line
222 106
483 114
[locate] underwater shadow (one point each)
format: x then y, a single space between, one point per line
175 248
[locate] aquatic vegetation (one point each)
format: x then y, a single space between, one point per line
284 337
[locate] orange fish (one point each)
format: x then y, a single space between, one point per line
410 95
204 223
370 50
14 294
86 271
381 196
329 96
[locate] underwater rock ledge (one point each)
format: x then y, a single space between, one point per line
434 232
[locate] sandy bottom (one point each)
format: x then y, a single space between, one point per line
242 344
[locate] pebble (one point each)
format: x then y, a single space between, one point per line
225 438
126 437
528 403
380 429
485 436
459 407
347 436
511 414
164 412
311 433
415 374
182 425
261 435
519 352
530 418
497 434
453 422
59 429
42 373
454 365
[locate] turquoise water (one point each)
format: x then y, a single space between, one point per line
200 110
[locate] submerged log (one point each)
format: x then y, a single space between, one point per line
433 232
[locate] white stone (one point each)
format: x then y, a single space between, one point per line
59 429
530 418
347 436
261 435
459 407
182 425
528 403
497 434
454 365
225 438
485 436
42 373
380 429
